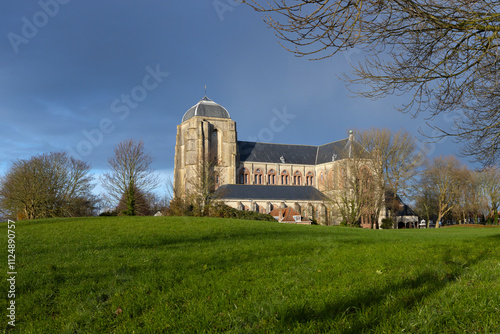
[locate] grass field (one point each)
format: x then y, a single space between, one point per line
189 275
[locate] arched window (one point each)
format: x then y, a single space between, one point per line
244 176
285 177
297 178
332 180
258 176
271 177
309 179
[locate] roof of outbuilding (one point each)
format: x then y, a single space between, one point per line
272 193
206 108
295 154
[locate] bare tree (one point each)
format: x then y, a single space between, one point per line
424 194
444 54
351 187
47 185
130 172
490 188
396 159
442 177
201 190
469 198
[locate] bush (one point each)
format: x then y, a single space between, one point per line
108 214
387 223
222 210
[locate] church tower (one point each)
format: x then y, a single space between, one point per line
206 136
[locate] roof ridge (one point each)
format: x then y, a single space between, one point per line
336 141
256 142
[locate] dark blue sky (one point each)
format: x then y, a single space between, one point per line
80 76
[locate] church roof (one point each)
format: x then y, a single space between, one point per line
206 108
271 193
266 152
295 154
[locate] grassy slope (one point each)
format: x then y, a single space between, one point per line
170 274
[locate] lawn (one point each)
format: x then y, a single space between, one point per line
190 275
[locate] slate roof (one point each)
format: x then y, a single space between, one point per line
264 152
271 193
207 108
295 154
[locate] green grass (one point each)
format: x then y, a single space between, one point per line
188 275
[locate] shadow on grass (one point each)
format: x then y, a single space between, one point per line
234 236
367 310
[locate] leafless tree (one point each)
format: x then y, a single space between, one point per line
130 172
490 188
47 185
424 194
442 177
443 54
396 159
200 192
351 187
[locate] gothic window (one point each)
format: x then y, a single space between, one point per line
332 179
309 179
271 177
244 176
285 177
297 178
258 176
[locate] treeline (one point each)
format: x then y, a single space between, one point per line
447 190
57 185
47 185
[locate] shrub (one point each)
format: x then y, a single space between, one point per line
387 223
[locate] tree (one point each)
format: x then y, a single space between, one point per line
490 188
201 190
443 54
47 185
470 200
441 179
351 188
130 174
397 162
424 195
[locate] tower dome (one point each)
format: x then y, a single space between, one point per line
206 108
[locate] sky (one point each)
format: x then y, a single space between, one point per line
81 76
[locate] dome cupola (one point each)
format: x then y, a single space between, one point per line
206 108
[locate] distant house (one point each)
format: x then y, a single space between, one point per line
290 216
403 215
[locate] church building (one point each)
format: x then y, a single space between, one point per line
256 176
